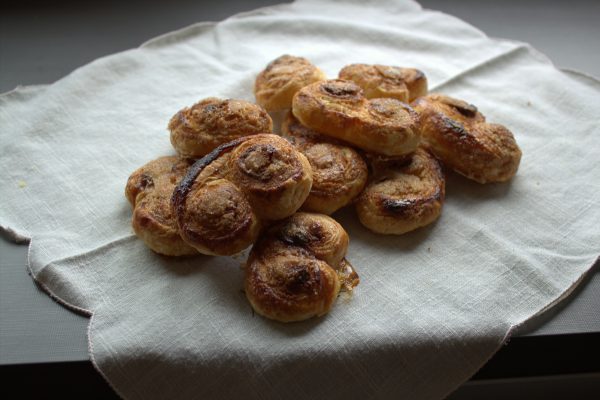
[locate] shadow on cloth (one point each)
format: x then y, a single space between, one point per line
403 243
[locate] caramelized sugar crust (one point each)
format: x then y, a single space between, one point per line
199 129
339 109
277 84
149 191
228 195
404 84
459 135
297 268
403 194
339 172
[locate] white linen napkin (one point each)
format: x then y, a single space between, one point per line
433 305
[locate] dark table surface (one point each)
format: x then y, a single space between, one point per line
40 42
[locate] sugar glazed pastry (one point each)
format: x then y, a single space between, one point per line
199 129
339 172
404 84
297 268
458 134
228 195
403 194
281 79
339 109
149 191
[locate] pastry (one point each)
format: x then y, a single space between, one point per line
403 194
149 191
458 134
339 172
339 109
226 196
276 85
197 130
404 84
297 268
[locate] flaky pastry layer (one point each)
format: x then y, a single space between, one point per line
458 134
297 268
228 195
339 171
339 109
277 84
197 130
403 194
149 191
404 84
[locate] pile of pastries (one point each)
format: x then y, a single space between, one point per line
373 138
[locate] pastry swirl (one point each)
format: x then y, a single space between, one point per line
339 109
149 191
404 84
276 85
403 195
296 270
226 196
273 175
339 171
458 134
197 130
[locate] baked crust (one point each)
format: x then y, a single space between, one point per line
458 134
276 85
296 270
226 196
404 84
403 194
149 191
339 109
339 171
199 129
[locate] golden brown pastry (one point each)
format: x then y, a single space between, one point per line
226 196
199 129
339 172
276 85
461 138
296 270
338 108
402 195
149 191
404 84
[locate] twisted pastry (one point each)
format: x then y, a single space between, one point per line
149 191
338 108
403 195
276 85
339 172
197 130
459 136
297 269
404 84
227 195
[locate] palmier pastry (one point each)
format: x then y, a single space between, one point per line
338 108
295 271
276 85
339 172
404 84
402 195
199 129
461 138
149 191
226 196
